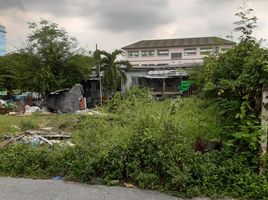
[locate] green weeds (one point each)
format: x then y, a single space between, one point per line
173 146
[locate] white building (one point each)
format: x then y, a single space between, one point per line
2 40
158 63
174 51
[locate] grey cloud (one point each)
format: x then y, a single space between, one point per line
113 15
15 4
137 15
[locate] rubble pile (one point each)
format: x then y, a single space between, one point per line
42 136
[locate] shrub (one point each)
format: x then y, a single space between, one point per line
168 146
26 125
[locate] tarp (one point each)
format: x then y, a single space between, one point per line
185 85
3 93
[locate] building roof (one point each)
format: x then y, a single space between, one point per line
179 42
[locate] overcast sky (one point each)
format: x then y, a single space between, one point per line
113 24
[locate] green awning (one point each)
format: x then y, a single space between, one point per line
185 85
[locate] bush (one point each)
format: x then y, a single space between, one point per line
173 146
27 125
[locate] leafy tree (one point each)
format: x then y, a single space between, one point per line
235 80
112 67
53 61
10 66
246 24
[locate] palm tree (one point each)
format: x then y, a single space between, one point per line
112 69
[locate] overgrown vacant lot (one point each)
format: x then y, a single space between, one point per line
174 146
10 125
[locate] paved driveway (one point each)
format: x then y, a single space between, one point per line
27 189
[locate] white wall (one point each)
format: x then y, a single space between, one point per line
167 59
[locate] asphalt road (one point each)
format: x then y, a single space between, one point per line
27 189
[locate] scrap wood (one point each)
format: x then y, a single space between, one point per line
56 136
47 132
40 132
14 139
38 137
26 137
129 185
46 128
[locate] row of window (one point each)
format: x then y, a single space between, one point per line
150 65
148 53
165 52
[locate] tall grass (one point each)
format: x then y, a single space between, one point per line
172 145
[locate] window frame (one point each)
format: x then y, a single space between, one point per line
176 58
162 55
190 51
144 51
151 50
208 50
131 52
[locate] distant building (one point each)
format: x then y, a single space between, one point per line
173 51
163 64
2 40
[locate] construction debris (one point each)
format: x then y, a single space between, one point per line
5 106
3 103
32 109
40 137
90 112
129 185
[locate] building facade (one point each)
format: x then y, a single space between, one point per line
162 65
2 40
174 51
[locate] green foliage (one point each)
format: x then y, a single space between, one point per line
132 97
234 81
50 61
246 24
167 146
112 69
10 67
27 125
135 93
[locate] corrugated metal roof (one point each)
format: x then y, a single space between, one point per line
179 42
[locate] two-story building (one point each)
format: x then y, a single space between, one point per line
162 64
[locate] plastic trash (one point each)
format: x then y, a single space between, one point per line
57 178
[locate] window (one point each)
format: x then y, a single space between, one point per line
190 51
144 65
151 53
162 64
205 50
176 56
133 54
144 53
151 64
162 52
135 80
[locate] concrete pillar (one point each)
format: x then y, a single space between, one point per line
164 88
264 124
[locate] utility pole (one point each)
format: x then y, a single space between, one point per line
100 82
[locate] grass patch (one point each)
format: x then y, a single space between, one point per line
173 146
16 124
